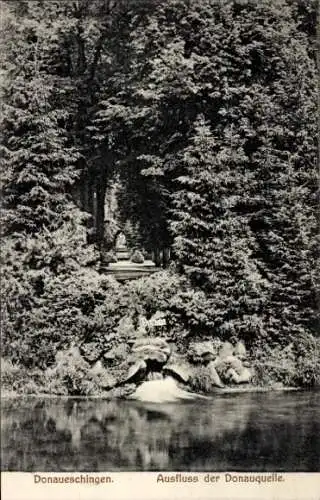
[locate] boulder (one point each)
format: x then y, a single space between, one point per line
102 377
157 356
240 350
138 367
226 350
224 364
151 355
214 376
201 352
155 341
179 372
239 378
125 328
232 369
151 349
97 368
229 362
154 376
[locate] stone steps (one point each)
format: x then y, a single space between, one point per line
125 270
122 255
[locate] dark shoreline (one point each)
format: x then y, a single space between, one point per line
231 390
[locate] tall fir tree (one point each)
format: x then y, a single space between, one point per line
40 159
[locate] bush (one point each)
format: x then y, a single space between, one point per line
71 375
67 311
296 364
17 379
54 297
274 365
201 381
50 288
137 257
307 350
109 258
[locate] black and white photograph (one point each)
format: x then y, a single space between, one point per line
160 238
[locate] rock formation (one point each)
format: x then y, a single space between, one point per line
126 367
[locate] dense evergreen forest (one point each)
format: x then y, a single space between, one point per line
190 123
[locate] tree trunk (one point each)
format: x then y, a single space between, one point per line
100 196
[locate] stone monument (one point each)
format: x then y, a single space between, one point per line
120 262
121 249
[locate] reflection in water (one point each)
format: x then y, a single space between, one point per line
238 432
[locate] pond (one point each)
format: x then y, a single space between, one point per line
277 431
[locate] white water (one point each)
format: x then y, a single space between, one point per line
161 391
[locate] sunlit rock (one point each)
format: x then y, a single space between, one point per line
102 377
214 376
151 349
156 341
155 376
180 372
226 350
137 368
243 377
231 369
240 350
201 352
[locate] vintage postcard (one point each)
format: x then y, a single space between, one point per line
160 249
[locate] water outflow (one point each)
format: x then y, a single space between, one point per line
161 391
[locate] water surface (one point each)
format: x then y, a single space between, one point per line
231 432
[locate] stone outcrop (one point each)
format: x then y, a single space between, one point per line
151 349
201 352
146 359
223 366
179 371
240 350
152 359
123 368
102 377
138 368
230 364
214 376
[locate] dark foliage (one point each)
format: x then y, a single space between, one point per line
202 117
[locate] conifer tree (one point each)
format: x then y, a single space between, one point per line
250 70
40 159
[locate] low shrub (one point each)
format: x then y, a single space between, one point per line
275 365
296 364
71 375
155 294
201 380
18 379
307 350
